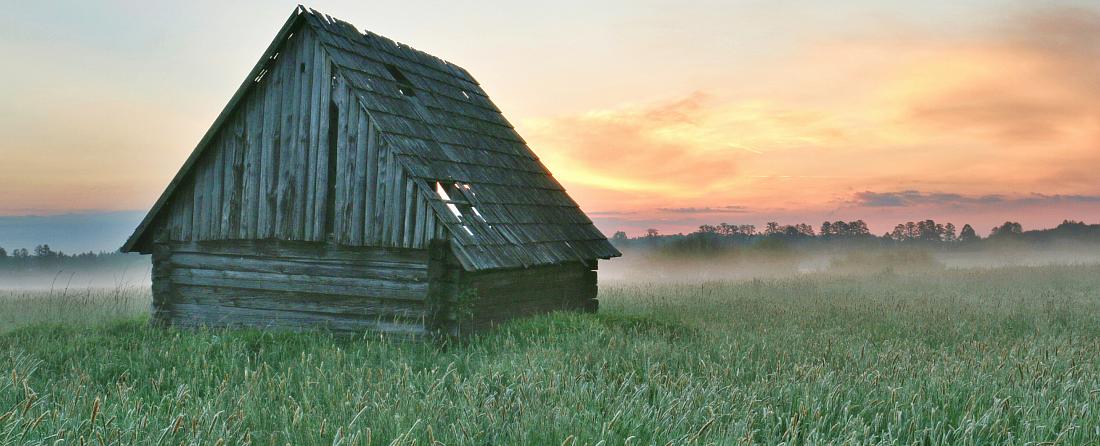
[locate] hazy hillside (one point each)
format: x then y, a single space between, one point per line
101 231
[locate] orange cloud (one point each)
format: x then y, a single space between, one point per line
1012 111
691 150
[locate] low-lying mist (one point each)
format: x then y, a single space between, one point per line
771 260
135 273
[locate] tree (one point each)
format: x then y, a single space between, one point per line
3 253
747 230
652 233
804 230
949 232
967 234
900 234
43 251
1009 228
928 231
727 229
20 253
619 236
772 228
858 228
827 230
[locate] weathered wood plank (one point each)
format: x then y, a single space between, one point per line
422 218
199 315
350 121
410 213
306 250
388 272
324 90
269 164
253 155
380 186
359 188
393 199
351 306
187 197
302 283
370 187
340 95
236 199
284 218
313 202
303 132
226 144
211 217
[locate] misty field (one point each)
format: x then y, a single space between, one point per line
943 356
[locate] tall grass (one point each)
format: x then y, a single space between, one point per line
999 356
72 306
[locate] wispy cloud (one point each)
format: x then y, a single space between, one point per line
1037 85
913 198
917 198
707 210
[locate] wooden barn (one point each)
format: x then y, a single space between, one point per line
355 183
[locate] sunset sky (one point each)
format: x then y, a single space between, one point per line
658 114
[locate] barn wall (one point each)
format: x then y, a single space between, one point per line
291 285
477 301
265 174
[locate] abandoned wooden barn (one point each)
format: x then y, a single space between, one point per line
358 184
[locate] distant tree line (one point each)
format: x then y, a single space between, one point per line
43 257
712 238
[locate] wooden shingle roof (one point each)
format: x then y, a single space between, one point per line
448 130
444 130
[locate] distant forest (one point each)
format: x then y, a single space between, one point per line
42 257
707 239
724 237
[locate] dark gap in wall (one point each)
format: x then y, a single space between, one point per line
330 190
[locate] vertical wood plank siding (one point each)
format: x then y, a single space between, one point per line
265 174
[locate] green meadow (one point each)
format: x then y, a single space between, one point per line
971 356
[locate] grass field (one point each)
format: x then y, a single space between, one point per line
970 356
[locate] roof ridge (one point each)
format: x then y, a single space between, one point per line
366 33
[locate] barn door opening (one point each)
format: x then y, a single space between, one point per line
330 192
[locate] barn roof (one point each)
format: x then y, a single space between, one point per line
446 130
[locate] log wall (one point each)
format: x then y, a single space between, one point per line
476 301
292 286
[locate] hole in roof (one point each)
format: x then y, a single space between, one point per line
443 195
302 69
404 86
478 214
260 77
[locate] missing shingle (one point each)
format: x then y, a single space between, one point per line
466 94
478 214
443 195
404 85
